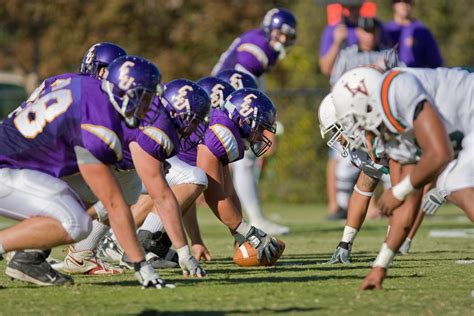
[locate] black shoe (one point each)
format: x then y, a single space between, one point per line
340 214
31 266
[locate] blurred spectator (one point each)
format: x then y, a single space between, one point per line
336 37
417 46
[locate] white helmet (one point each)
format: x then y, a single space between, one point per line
328 124
353 97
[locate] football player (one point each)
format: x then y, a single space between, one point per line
186 107
255 52
373 164
71 126
426 105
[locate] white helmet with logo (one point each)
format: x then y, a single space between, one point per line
328 124
354 101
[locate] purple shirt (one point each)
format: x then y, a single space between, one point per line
250 52
158 139
69 110
418 48
223 138
327 38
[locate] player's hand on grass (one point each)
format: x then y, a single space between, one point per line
388 203
374 279
265 245
432 201
201 252
147 276
189 264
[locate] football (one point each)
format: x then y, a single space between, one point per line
246 256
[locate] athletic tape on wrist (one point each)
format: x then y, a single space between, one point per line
183 252
101 212
364 193
384 257
402 189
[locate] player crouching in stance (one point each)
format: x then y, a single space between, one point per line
374 165
72 126
426 105
186 107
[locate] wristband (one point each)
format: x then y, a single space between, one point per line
364 193
243 228
138 265
402 189
384 257
183 252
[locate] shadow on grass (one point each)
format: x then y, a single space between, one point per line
152 312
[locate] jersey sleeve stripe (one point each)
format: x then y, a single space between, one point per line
221 131
256 51
370 142
385 103
107 136
160 138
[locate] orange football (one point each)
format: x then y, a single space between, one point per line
246 256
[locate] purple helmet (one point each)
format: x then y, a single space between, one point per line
100 56
131 84
284 21
237 79
217 89
188 105
253 112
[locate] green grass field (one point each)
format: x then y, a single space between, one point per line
426 282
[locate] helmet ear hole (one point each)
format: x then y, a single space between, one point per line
369 108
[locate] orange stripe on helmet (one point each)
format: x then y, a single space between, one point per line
386 107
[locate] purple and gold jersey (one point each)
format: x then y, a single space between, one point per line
223 138
190 156
159 139
250 53
67 111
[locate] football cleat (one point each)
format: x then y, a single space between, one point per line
342 254
159 263
85 262
271 228
109 249
31 266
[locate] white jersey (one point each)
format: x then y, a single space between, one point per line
450 91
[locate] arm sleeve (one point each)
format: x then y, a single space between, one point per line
431 53
102 143
222 143
156 143
252 58
400 96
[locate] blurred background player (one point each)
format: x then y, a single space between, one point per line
416 44
255 52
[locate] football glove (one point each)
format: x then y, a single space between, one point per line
189 264
147 276
265 245
432 200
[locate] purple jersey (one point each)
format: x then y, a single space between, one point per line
417 48
68 111
327 38
190 156
158 139
250 53
223 138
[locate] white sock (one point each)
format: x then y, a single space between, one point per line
246 187
91 242
153 223
349 234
